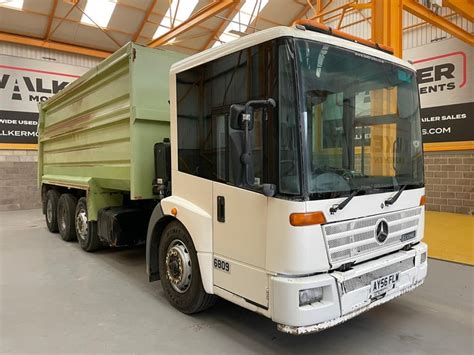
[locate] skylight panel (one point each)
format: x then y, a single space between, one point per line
179 11
100 11
13 4
241 20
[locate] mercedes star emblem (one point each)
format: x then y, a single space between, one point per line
381 231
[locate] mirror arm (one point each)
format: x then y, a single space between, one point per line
246 118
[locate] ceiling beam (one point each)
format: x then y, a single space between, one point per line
148 13
202 15
60 21
219 30
319 8
304 11
63 47
50 19
425 14
462 7
102 29
366 19
336 9
386 24
423 23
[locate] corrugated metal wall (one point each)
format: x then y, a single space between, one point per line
360 27
416 33
48 55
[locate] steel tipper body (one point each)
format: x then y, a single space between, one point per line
98 133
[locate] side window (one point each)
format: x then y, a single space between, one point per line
288 168
208 146
218 151
191 125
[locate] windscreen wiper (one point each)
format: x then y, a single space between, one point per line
391 200
344 203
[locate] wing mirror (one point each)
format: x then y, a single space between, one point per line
237 117
241 118
242 115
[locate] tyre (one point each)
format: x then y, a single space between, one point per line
66 217
51 215
179 271
86 231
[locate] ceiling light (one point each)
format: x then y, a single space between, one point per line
241 21
237 33
98 11
177 13
13 4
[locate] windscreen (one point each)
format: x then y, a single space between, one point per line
361 122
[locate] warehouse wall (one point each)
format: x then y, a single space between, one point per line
18 183
450 181
18 180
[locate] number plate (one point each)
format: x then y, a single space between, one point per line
384 284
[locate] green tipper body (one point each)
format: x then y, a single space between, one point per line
99 132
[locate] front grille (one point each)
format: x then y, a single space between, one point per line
351 239
365 279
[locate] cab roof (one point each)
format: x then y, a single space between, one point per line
277 32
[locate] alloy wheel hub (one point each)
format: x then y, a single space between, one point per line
178 266
81 224
49 211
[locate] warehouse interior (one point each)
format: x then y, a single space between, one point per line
56 298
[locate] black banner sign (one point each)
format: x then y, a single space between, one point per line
450 123
18 127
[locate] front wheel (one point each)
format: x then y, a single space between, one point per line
179 271
86 230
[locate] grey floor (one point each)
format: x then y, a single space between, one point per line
55 298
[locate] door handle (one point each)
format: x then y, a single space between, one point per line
221 209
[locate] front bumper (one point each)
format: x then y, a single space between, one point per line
345 294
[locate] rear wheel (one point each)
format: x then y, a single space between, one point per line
179 271
86 231
51 214
66 221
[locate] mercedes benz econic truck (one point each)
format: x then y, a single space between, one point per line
282 172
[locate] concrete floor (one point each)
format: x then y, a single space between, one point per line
55 298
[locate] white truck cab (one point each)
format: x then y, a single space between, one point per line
296 180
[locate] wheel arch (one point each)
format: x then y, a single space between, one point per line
156 226
199 227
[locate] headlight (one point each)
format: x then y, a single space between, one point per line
311 295
423 258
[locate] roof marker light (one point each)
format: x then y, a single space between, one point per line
316 26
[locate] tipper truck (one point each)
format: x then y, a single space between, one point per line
282 171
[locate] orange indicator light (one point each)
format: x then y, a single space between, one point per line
307 219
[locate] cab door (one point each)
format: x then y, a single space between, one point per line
240 216
239 206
